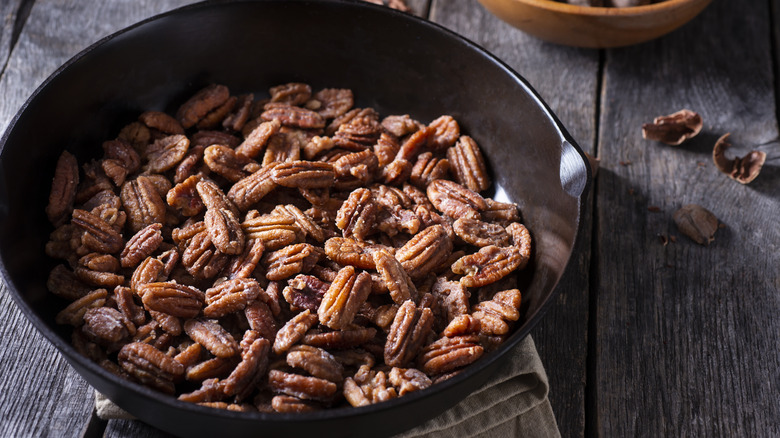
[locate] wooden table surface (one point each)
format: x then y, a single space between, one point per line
646 339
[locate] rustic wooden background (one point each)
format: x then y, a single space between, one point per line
645 339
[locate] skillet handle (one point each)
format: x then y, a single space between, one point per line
574 170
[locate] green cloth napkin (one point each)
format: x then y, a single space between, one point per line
513 403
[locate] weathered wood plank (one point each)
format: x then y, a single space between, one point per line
567 79
128 428
688 335
10 12
35 403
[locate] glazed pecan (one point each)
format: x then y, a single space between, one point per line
522 241
407 380
449 354
168 323
203 102
453 298
282 147
98 235
73 314
230 296
274 230
201 258
315 361
213 336
137 134
478 233
150 366
172 298
248 373
224 231
244 264
368 387
344 297
63 189
358 134
107 326
64 283
184 196
142 203
352 252
488 265
255 142
385 149
225 162
497 314
213 197
288 403
446 133
305 292
395 277
261 319
293 93
400 126
123 296
425 251
455 200
317 145
165 153
98 270
428 168
161 121
333 102
141 245
502 213
357 214
216 367
291 260
240 115
308 388
462 325
253 188
293 116
293 331
151 270
409 331
302 220
468 165
304 174
211 390
338 339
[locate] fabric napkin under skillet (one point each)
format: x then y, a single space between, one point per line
513 403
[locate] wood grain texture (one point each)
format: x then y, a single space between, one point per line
567 79
10 11
688 335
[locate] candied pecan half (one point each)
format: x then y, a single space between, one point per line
395 277
407 380
368 387
201 258
425 251
428 168
462 325
446 133
303 220
741 169
357 134
63 189
211 390
123 296
453 297
244 264
352 252
288 403
385 149
99 235
293 116
338 339
248 373
225 162
161 121
151 270
696 222
216 367
169 323
203 102
409 331
213 336
488 265
137 134
317 145
172 298
150 366
261 319
308 388
255 142
107 326
522 241
165 153
141 245
502 213
344 297
213 197
236 120
400 125
142 203
274 230
97 269
282 147
315 361
478 233
224 231
64 283
305 292
497 314
455 200
449 354
468 165
253 188
674 128
230 296
293 93
304 174
73 314
184 196
357 214
291 260
334 102
293 331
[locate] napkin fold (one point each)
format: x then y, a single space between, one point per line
513 403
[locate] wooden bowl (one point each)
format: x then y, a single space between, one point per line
595 27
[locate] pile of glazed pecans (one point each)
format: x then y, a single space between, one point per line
284 254
611 3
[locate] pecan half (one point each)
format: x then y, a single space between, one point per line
201 258
293 116
408 333
293 331
224 230
255 142
488 265
248 373
455 200
497 314
98 235
142 203
308 388
303 220
202 103
478 233
305 292
172 298
446 133
274 230
225 162
315 361
428 168
150 366
468 165
425 251
282 147
64 283
357 214
334 102
304 174
253 188
107 327
243 265
63 189
230 296
165 153
291 260
407 380
339 339
395 277
352 252
184 196
293 93
449 354
141 245
73 314
344 297
213 336
161 121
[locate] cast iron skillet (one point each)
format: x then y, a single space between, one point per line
394 62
